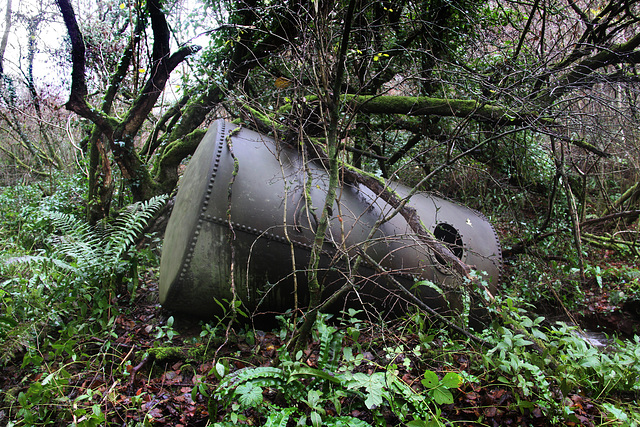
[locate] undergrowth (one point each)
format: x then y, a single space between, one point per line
80 352
66 270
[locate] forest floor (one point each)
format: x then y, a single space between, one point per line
155 373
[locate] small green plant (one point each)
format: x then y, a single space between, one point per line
166 331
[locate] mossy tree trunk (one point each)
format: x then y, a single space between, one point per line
119 134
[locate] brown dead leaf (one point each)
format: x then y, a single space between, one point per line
172 377
490 412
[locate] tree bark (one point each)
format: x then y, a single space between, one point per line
100 175
5 36
77 98
631 193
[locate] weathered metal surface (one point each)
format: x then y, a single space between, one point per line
270 219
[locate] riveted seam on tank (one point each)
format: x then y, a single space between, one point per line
203 211
254 231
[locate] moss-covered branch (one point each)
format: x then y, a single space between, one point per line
166 173
424 106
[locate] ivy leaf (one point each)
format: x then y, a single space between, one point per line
249 395
430 380
373 400
373 384
314 398
451 380
442 396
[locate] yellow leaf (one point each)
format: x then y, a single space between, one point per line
122 6
282 82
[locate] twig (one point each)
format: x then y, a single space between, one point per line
139 366
232 235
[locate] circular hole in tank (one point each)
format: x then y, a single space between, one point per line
448 234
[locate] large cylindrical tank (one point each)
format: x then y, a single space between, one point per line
261 220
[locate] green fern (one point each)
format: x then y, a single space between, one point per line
330 339
97 253
130 225
42 260
263 376
279 418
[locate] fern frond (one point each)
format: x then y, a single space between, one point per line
130 224
69 225
40 259
86 253
330 345
279 417
244 375
78 241
262 376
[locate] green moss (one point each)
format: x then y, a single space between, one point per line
188 353
413 105
168 353
165 170
363 172
266 119
197 353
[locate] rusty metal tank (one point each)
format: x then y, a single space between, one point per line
241 202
